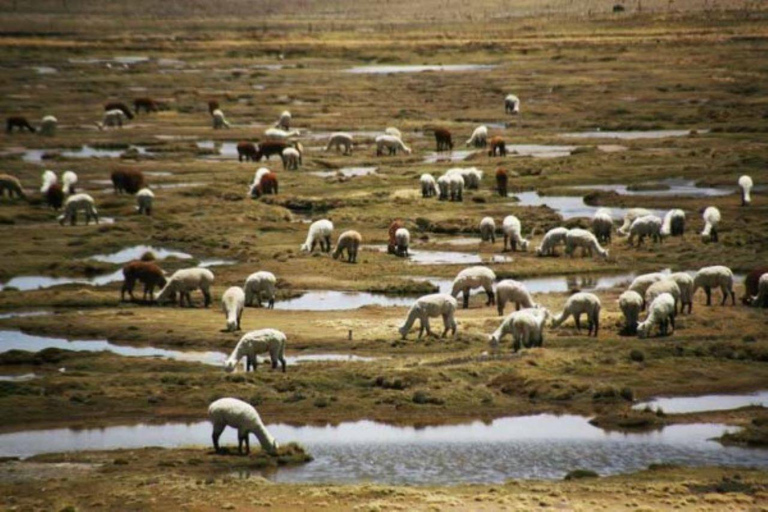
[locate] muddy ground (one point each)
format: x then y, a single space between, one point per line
700 71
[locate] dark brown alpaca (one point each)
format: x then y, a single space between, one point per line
148 104
497 146
212 105
751 284
501 181
146 272
18 122
246 151
392 242
54 196
443 139
269 148
267 185
129 181
116 105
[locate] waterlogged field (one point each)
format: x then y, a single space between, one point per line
104 402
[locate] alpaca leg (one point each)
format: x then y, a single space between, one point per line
491 298
217 430
577 319
733 298
446 324
207 295
597 324
708 291
426 326
466 298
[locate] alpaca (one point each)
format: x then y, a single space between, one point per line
479 138
77 202
319 231
122 107
341 140
258 342
431 306
512 105
502 178
148 104
127 181
145 271
498 146
443 139
237 414
246 151
348 241
48 126
219 121
18 122
185 281
12 185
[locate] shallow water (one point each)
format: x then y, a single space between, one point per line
457 155
542 447
382 69
17 340
422 257
629 135
45 70
225 150
571 206
349 172
677 187
685 404
328 300
18 378
21 314
85 151
215 262
539 150
178 185
135 252
26 283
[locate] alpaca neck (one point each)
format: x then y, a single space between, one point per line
262 434
412 315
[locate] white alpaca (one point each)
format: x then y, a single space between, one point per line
431 306
711 218
642 282
285 121
761 299
510 290
391 130
488 230
444 185
68 182
666 285
49 178
479 138
279 134
576 305
258 342
587 241
348 241
673 223
745 183
319 231
646 226
512 104
685 283
219 121
631 303
259 283
231 412
717 276
428 185
232 304
184 282
392 144
112 119
257 177
551 240
144 200
602 225
472 176
474 277
402 241
629 218
77 202
512 234
291 159
526 327
661 312
48 126
340 140
456 187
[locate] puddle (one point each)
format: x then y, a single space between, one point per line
85 151
677 187
215 262
630 135
26 283
135 252
541 446
349 172
156 173
540 151
18 378
459 241
458 155
178 185
17 340
176 137
386 69
130 59
22 314
45 70
328 300
685 404
362 134
226 150
421 257
571 206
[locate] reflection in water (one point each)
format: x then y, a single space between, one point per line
26 283
685 404
671 187
570 206
135 252
541 446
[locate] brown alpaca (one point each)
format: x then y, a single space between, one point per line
12 185
213 105
501 181
116 105
148 104
751 284
246 150
269 148
392 242
443 139
18 122
267 185
129 181
54 196
498 146
146 272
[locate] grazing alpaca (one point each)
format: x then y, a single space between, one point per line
129 181
54 196
438 304
246 151
145 271
498 147
112 119
285 121
392 144
752 284
291 159
267 184
340 140
184 282
428 185
258 342
117 105
270 147
213 106
148 104
12 185
77 202
479 138
502 178
512 105
144 200
319 231
745 183
443 139
219 121
392 241
349 241
48 126
243 417
18 122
